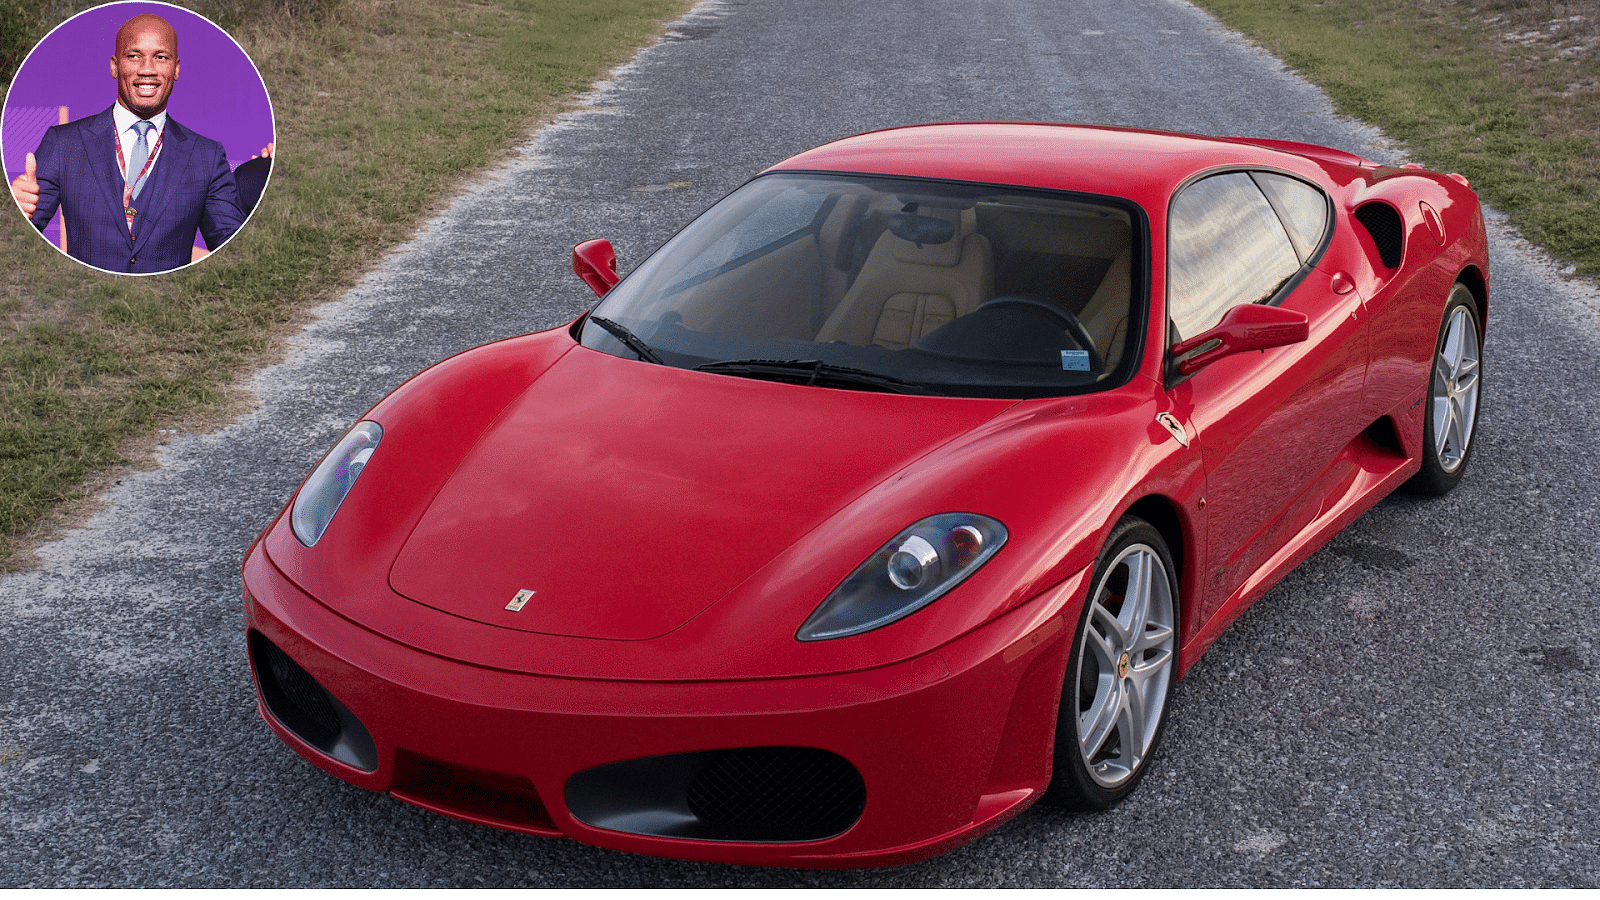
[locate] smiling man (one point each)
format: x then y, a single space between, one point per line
133 185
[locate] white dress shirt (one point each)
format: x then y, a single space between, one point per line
124 119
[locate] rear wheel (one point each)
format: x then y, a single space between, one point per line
1120 676
1453 395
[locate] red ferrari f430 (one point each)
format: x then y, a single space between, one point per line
890 496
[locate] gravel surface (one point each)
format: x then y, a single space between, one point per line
1415 706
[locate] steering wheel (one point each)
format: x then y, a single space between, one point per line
1067 320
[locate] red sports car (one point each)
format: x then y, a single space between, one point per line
887 498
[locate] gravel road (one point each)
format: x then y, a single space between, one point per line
1416 706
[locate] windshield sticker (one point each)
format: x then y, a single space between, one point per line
1074 360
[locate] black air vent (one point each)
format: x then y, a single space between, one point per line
306 708
1388 232
796 789
761 794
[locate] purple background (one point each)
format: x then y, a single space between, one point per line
218 93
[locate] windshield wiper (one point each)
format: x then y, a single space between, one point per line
629 339
812 372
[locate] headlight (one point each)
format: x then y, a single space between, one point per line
328 485
911 571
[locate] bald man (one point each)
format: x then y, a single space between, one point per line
132 184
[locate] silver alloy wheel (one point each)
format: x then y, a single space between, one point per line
1454 399
1125 665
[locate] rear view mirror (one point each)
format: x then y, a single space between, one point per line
1247 327
919 230
596 263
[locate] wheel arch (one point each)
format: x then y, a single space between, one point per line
1182 534
1477 282
1162 513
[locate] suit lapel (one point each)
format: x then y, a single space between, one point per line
100 149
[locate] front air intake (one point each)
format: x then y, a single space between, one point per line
302 705
808 791
757 794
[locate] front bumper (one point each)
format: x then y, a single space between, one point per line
878 767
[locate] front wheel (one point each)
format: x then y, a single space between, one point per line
1120 675
1453 394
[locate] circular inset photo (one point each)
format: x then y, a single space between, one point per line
137 137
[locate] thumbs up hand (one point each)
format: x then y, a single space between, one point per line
25 188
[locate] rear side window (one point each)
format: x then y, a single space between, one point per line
1303 209
1226 247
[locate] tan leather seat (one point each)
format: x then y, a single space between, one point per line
1105 316
905 291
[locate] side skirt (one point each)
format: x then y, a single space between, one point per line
1365 473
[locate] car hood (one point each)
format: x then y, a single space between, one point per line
628 497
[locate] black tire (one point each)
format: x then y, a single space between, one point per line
1120 672
1454 397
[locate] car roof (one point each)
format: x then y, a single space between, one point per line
1143 166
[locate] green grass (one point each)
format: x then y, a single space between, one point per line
383 109
1506 92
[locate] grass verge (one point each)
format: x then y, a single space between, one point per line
382 108
1506 92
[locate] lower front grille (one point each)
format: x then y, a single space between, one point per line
755 794
798 788
302 705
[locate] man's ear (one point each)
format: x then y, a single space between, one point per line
113 67
176 65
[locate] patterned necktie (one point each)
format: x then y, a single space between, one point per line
136 159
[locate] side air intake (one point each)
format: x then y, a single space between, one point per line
1388 232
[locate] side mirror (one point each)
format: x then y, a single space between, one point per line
596 263
1247 327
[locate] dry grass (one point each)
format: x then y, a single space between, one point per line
1547 50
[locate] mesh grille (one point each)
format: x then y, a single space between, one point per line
299 703
797 789
317 721
1388 232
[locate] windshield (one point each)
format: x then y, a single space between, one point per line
890 284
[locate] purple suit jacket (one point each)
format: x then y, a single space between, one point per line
190 187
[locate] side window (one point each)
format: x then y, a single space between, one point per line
1303 209
1225 247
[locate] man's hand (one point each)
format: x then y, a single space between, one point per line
25 188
